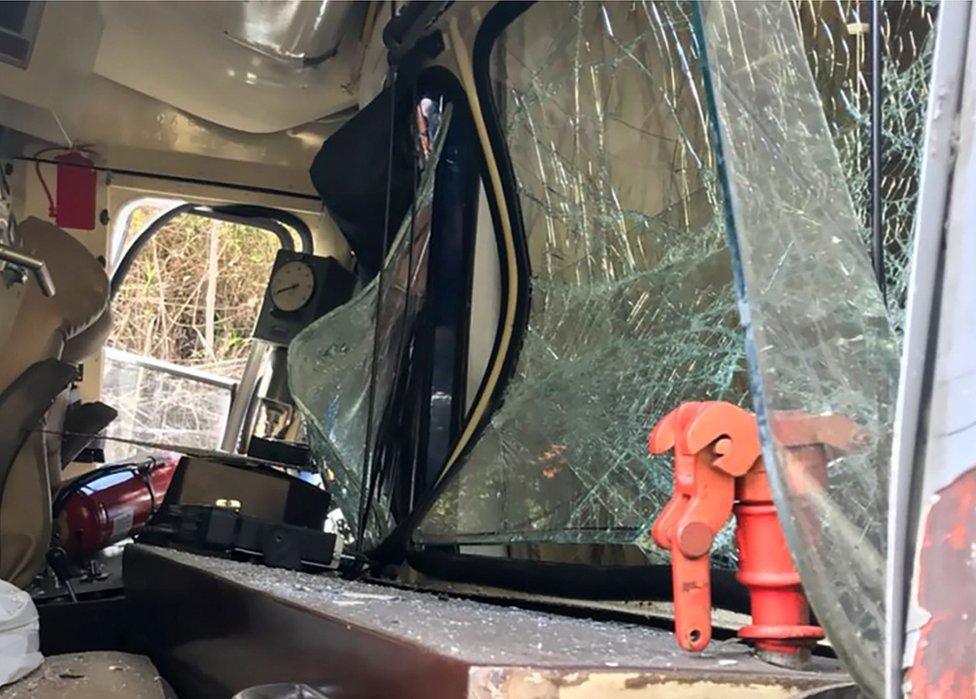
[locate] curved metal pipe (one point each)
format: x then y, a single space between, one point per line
153 227
283 234
39 269
256 211
272 220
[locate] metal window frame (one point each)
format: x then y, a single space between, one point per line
29 32
912 429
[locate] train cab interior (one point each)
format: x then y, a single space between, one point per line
373 349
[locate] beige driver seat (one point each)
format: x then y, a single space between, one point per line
70 325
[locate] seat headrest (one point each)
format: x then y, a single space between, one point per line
82 288
45 325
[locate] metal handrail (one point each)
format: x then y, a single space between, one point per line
21 259
183 372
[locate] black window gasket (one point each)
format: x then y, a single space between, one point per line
269 219
394 548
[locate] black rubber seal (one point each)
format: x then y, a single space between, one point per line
393 549
579 581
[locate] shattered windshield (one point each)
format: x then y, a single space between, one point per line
818 335
632 309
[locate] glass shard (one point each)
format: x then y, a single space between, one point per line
330 364
817 332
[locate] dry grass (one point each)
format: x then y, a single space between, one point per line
194 291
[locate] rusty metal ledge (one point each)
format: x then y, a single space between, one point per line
215 626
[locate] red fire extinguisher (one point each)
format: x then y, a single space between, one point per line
109 504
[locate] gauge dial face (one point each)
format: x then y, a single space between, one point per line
292 286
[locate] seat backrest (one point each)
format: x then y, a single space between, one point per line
70 325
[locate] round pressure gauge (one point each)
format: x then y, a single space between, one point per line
292 286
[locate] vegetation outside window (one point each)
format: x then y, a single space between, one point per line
182 324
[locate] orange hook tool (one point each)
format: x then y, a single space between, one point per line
718 470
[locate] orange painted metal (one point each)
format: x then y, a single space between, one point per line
718 471
943 663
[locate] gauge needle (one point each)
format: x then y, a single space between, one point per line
285 288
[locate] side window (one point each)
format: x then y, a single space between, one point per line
183 316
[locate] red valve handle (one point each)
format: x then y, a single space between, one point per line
717 462
712 442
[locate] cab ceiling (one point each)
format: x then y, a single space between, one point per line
190 89
252 66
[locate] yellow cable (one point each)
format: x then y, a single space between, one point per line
494 371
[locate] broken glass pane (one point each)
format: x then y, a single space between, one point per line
156 404
330 364
632 309
837 39
817 332
632 305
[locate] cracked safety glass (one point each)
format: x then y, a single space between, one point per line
632 308
836 38
822 349
330 364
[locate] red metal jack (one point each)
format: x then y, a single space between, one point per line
718 470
